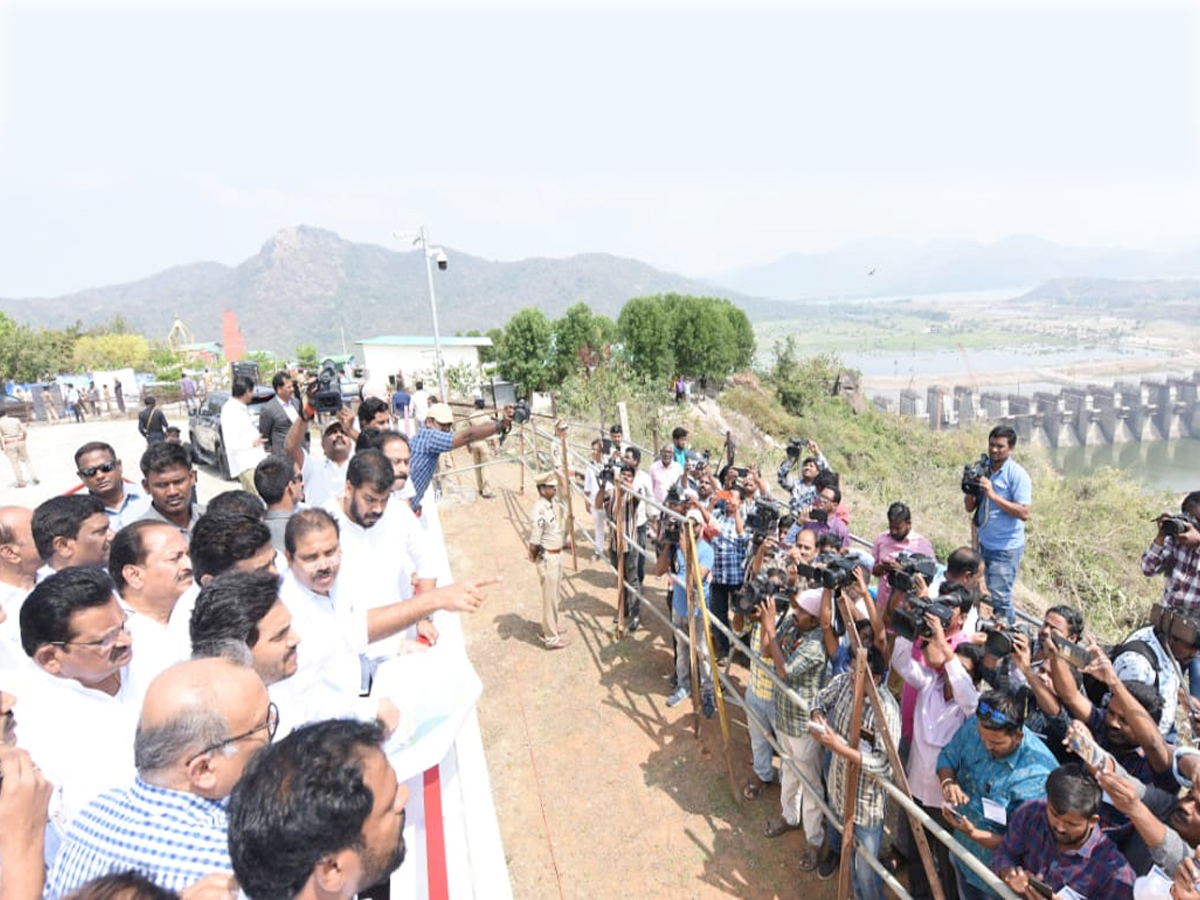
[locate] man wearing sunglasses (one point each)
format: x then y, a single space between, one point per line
990 767
102 474
202 721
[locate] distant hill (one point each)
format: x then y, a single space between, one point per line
308 285
1177 301
902 267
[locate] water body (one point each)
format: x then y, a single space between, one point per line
1166 465
949 363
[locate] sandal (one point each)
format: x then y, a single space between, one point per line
779 825
808 859
752 788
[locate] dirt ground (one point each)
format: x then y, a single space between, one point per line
600 789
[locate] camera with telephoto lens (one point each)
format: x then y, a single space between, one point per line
999 640
768 516
328 398
910 565
830 570
769 584
521 412
972 472
607 473
1174 526
908 618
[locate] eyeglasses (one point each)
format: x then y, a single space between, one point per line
104 644
90 471
993 718
270 725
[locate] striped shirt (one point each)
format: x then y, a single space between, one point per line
837 702
760 685
171 837
1181 566
729 550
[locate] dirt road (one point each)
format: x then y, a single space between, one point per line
601 790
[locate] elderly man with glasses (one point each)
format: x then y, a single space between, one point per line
202 722
990 767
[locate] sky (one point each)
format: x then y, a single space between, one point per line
697 137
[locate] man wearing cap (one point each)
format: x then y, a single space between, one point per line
545 551
438 437
481 450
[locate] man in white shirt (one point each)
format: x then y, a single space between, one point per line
80 704
103 475
150 567
420 404
664 472
243 443
71 530
19 563
323 477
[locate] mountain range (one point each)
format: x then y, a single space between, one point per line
308 285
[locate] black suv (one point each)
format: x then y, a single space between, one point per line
204 428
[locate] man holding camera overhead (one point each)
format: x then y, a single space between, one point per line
1175 554
1000 501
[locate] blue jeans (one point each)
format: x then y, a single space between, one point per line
868 885
1194 677
764 710
1000 575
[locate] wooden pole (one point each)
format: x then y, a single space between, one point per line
691 582
522 454
566 486
851 801
619 516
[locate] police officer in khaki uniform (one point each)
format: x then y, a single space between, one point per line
545 551
481 450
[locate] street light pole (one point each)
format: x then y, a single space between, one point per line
437 337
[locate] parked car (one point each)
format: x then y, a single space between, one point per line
204 428
18 409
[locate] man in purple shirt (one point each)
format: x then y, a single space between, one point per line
899 538
1058 842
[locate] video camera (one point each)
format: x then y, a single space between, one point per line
768 516
999 640
830 570
972 472
1173 526
796 446
908 619
521 412
910 565
328 398
770 584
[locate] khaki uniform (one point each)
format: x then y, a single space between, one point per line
480 451
547 532
12 439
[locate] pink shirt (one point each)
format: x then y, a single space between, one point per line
887 547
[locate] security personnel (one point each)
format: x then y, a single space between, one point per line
481 450
545 551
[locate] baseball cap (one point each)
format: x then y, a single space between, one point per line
440 413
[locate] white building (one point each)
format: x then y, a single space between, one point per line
413 356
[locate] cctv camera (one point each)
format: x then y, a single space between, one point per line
442 260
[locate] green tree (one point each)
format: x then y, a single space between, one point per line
524 355
580 340
306 355
110 351
645 329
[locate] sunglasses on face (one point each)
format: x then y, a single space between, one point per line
992 718
90 471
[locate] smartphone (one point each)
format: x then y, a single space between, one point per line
1075 654
818 515
1088 751
1040 887
816 727
951 812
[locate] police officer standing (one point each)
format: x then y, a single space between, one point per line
545 551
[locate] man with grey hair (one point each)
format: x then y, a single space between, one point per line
202 721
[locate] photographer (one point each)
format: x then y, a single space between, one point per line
1000 501
1155 654
800 484
1046 715
729 546
679 614
899 538
627 523
1175 554
822 518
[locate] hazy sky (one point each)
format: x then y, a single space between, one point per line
697 137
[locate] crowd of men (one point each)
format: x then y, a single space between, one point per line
1055 762
188 691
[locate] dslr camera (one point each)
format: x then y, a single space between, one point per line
999 640
910 565
768 584
908 619
972 472
1173 526
768 516
830 570
795 447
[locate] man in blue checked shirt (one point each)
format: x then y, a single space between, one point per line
438 436
202 722
729 556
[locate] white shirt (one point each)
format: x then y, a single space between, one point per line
419 403
645 487
12 598
239 435
662 477
156 646
332 637
81 738
323 479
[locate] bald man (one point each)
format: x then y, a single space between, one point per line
19 562
202 721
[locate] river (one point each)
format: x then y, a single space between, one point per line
1167 465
